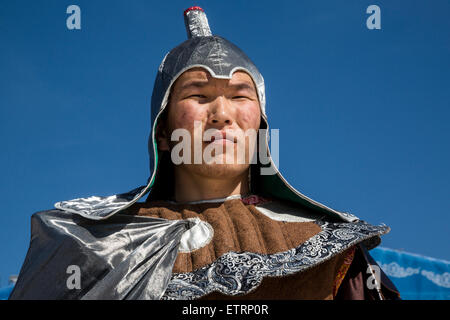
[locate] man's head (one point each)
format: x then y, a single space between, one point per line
225 110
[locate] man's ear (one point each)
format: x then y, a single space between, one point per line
162 138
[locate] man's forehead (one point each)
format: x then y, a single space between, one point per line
202 74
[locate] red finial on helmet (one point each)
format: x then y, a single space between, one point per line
192 8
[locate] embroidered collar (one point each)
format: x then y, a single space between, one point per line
237 273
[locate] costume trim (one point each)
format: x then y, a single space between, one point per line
240 273
235 196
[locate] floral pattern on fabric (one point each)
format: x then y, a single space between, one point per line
240 273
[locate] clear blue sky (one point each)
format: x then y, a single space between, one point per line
363 114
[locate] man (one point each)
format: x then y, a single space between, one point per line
219 222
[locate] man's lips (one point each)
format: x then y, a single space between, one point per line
223 137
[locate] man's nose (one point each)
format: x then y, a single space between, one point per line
220 112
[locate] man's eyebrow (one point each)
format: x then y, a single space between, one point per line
201 84
243 86
194 84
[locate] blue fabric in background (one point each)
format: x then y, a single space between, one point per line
5 292
416 277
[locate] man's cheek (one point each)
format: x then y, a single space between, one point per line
250 118
187 118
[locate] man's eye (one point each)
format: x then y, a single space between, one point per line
239 97
197 95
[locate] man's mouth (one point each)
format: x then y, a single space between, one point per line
223 137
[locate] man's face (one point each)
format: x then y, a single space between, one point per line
227 109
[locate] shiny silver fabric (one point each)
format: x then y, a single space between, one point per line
124 257
97 207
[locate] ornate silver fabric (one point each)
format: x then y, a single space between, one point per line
240 273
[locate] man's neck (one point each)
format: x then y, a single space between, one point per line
191 187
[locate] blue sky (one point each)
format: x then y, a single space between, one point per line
363 114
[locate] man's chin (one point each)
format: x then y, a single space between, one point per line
219 170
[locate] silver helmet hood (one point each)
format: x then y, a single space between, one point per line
221 58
